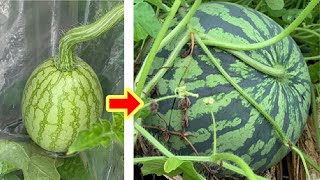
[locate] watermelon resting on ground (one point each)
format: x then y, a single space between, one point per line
241 129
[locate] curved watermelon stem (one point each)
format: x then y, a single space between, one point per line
66 58
305 12
272 71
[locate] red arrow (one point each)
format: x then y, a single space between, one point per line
129 103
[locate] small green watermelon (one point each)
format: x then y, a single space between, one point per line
57 105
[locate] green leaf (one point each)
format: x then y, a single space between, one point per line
41 166
6 167
74 169
99 134
172 164
276 13
145 112
170 167
139 32
189 171
186 167
153 167
145 21
157 167
275 4
118 126
10 176
29 159
137 1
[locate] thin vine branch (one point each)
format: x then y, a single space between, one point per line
315 116
180 92
312 58
308 31
311 163
303 161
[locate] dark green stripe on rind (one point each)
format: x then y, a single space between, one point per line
57 105
241 129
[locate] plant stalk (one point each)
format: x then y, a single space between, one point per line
312 58
294 148
315 116
66 60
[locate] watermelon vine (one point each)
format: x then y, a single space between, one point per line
203 39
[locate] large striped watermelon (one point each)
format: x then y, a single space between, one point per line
56 104
241 129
